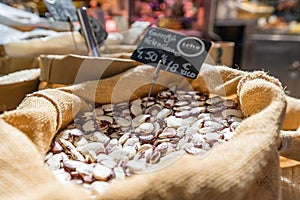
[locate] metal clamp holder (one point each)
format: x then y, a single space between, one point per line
87 31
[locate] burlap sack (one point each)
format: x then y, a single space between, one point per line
15 86
49 45
247 167
290 182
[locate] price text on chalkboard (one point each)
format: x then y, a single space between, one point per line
178 53
61 9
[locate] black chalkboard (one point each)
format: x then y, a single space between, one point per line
61 9
178 53
99 31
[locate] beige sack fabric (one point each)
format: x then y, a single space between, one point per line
291 134
290 182
48 45
247 167
15 86
23 175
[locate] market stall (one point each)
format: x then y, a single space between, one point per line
101 111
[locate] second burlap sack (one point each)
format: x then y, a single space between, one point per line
246 167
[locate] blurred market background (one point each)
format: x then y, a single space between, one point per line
252 35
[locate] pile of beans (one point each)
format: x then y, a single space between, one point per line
114 141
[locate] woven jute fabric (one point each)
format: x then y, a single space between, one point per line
23 174
246 167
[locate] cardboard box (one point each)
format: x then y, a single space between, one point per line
221 53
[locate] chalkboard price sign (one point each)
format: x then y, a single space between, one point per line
178 53
61 9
